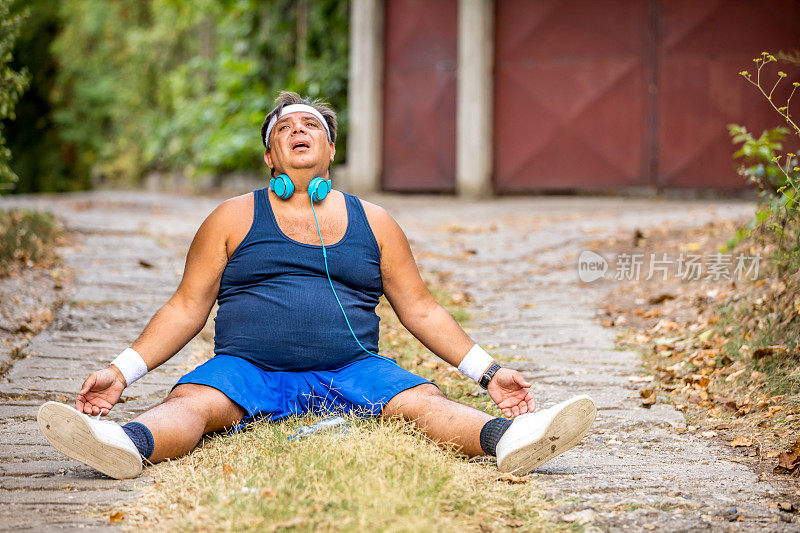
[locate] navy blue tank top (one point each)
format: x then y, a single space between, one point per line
276 307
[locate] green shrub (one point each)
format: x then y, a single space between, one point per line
777 174
12 84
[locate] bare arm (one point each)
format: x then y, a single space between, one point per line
181 318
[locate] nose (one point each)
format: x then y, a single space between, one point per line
297 126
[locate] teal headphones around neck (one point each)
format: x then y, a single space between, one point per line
283 187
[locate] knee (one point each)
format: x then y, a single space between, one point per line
411 400
188 397
208 404
426 391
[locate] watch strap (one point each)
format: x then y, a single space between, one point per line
488 375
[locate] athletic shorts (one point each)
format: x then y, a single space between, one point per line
362 387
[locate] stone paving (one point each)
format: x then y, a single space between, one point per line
516 257
127 254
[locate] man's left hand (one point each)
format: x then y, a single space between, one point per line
511 393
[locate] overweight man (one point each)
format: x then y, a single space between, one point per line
297 269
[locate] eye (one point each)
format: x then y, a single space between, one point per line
311 123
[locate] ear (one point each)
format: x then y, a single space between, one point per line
268 160
333 151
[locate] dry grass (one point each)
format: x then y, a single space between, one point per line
381 476
27 238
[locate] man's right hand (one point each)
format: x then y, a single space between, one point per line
100 391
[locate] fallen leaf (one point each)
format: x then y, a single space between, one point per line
735 375
768 351
663 297
742 442
512 479
145 264
705 335
116 517
789 462
228 470
728 403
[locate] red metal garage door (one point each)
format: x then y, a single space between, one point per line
419 95
570 94
703 46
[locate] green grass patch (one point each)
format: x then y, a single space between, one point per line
27 237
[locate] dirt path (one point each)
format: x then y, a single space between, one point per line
638 469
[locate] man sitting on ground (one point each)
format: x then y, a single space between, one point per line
297 270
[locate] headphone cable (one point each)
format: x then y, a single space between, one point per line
330 281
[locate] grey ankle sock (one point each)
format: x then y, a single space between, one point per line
491 433
141 437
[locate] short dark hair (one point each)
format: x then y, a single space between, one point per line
288 98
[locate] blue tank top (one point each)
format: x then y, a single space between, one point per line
276 307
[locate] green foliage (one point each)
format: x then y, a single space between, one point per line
759 156
12 84
182 86
42 159
26 236
777 175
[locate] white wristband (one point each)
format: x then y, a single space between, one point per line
131 364
475 363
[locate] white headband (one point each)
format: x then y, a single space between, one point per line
295 108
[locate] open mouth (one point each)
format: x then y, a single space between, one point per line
299 145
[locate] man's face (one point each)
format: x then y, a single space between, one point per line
299 141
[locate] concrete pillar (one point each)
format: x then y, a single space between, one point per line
474 101
364 95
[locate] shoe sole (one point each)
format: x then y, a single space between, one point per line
568 426
69 433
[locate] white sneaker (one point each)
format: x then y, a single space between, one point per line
101 444
534 438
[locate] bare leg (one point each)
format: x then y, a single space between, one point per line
441 419
189 412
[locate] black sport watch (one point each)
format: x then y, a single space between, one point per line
488 375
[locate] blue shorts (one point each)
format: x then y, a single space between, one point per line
362 387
